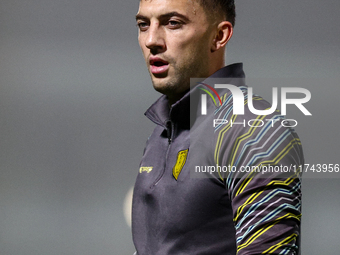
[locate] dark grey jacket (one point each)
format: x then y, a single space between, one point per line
177 210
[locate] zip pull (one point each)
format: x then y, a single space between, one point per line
169 130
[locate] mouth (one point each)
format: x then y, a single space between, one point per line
158 65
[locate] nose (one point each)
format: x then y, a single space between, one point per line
155 40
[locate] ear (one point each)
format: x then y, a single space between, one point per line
223 35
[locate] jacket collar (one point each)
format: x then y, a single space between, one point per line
179 113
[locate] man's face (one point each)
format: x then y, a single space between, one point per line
175 37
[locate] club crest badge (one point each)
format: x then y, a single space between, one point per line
181 159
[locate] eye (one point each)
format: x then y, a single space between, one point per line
143 26
174 24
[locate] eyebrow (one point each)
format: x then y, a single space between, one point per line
166 15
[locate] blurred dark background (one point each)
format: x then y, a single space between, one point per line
73 90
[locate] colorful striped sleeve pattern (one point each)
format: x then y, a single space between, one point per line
266 205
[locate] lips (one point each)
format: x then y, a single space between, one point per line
158 65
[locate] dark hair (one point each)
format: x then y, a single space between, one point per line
218 7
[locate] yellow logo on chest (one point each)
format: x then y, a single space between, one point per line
181 159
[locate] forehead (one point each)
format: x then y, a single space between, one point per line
189 8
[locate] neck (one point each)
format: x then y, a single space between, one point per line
217 61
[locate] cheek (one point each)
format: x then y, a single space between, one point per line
196 42
193 51
183 46
141 43
140 40
144 49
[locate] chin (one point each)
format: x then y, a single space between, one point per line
161 84
167 86
162 89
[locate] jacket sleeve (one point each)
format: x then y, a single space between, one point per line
264 186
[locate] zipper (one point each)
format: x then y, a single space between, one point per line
169 133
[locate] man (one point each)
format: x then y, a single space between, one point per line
229 212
